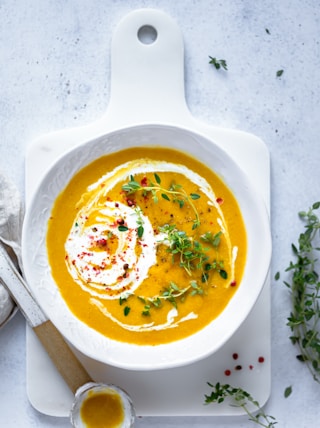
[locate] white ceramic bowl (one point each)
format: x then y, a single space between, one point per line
129 356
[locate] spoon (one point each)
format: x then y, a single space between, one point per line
11 281
64 359
72 371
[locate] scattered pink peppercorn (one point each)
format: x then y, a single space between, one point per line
219 201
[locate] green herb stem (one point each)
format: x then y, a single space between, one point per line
240 398
304 286
176 190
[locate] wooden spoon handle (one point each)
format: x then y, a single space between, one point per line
62 356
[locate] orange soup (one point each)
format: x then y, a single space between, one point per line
147 245
102 409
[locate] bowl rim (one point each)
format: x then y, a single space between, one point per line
173 354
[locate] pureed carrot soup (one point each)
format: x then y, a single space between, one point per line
147 245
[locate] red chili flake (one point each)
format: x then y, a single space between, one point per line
238 367
120 221
144 182
233 283
227 372
116 205
235 356
251 367
130 202
219 201
261 360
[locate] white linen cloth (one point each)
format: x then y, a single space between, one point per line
11 217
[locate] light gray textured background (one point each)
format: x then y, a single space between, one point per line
55 74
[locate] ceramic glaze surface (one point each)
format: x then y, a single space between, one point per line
192 348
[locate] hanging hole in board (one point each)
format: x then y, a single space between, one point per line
147 34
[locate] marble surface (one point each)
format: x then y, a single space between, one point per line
55 73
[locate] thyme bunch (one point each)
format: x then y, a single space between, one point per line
191 254
240 398
305 293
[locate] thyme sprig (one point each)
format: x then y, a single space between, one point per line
240 398
213 239
175 193
171 294
305 293
140 229
191 254
218 63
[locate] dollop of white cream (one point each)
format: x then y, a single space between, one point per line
104 274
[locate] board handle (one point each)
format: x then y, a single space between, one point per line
147 70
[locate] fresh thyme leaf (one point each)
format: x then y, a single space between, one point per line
122 300
213 239
280 73
194 196
223 274
218 63
146 311
140 231
277 276
287 391
158 179
122 228
196 289
240 398
131 186
304 286
165 196
126 310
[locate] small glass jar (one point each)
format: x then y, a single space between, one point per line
102 405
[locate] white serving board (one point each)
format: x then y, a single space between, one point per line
156 73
